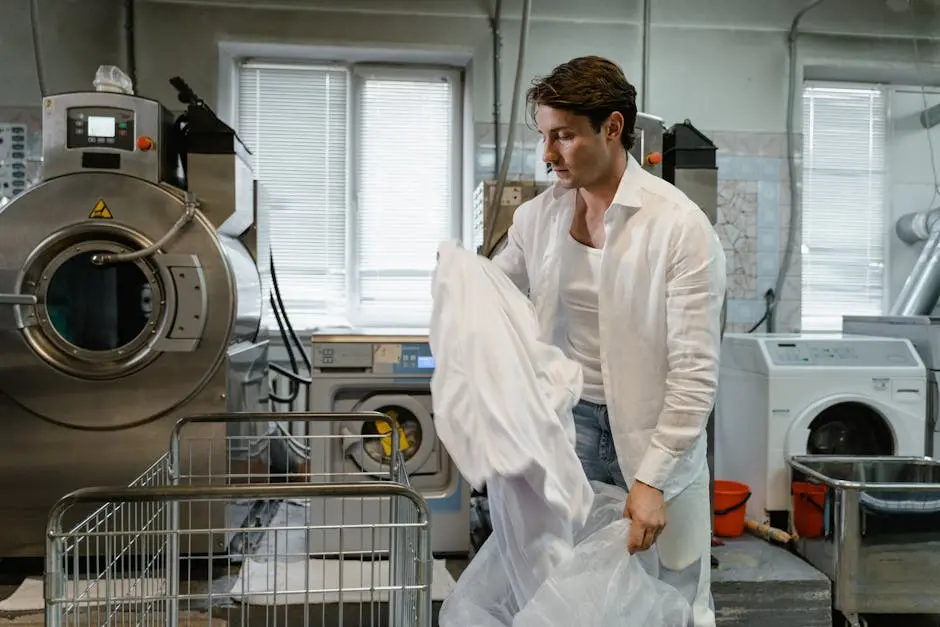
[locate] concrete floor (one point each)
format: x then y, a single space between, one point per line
229 616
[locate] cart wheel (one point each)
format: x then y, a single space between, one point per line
854 620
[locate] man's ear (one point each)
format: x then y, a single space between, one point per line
614 125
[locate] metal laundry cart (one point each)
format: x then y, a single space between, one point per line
139 560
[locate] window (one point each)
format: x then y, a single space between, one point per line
359 171
843 226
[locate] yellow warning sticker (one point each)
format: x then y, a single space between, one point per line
100 212
383 429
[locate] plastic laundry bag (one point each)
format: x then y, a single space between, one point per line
603 585
600 584
483 595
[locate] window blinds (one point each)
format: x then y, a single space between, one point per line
405 192
354 244
843 226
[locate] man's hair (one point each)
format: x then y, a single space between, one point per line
590 86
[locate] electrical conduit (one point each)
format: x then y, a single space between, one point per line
488 247
795 217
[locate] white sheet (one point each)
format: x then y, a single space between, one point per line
284 582
502 408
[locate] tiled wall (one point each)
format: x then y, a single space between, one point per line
753 215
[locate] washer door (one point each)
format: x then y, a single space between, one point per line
370 451
842 426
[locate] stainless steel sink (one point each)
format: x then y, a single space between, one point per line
880 544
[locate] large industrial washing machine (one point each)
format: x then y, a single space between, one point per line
129 297
390 375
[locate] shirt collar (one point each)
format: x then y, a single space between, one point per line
628 192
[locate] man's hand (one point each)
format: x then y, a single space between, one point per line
646 510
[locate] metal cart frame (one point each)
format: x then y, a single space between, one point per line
132 548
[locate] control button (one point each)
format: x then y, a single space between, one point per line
654 158
144 143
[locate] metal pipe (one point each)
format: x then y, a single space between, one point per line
18 299
916 226
644 79
793 226
495 22
37 46
189 212
510 136
929 118
921 290
130 43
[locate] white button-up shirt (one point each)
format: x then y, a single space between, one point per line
662 285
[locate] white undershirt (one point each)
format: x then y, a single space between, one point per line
580 276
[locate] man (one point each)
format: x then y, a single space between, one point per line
628 277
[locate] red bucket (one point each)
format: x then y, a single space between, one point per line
808 505
730 500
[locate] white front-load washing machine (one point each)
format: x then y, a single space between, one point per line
390 375
782 395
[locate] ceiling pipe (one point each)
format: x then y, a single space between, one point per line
921 289
644 84
929 118
495 27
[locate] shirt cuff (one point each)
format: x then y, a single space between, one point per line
656 467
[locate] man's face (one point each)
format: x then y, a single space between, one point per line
578 154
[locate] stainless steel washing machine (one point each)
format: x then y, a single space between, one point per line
129 297
390 375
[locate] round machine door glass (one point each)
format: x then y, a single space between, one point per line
373 447
98 307
377 441
93 321
850 429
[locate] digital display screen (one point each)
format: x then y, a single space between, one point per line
100 126
425 361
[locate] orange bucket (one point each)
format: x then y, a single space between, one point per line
729 514
808 505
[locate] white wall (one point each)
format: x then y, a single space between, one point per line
721 63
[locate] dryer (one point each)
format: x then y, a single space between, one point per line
781 395
390 375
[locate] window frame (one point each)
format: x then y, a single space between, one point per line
885 208
357 72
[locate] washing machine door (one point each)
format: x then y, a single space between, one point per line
845 425
371 451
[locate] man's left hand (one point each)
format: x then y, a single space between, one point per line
646 509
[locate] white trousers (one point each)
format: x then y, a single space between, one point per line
685 547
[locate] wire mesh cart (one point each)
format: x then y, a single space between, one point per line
271 527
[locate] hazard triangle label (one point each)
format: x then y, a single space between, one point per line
100 212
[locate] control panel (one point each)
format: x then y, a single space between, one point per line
855 353
100 127
400 358
14 177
